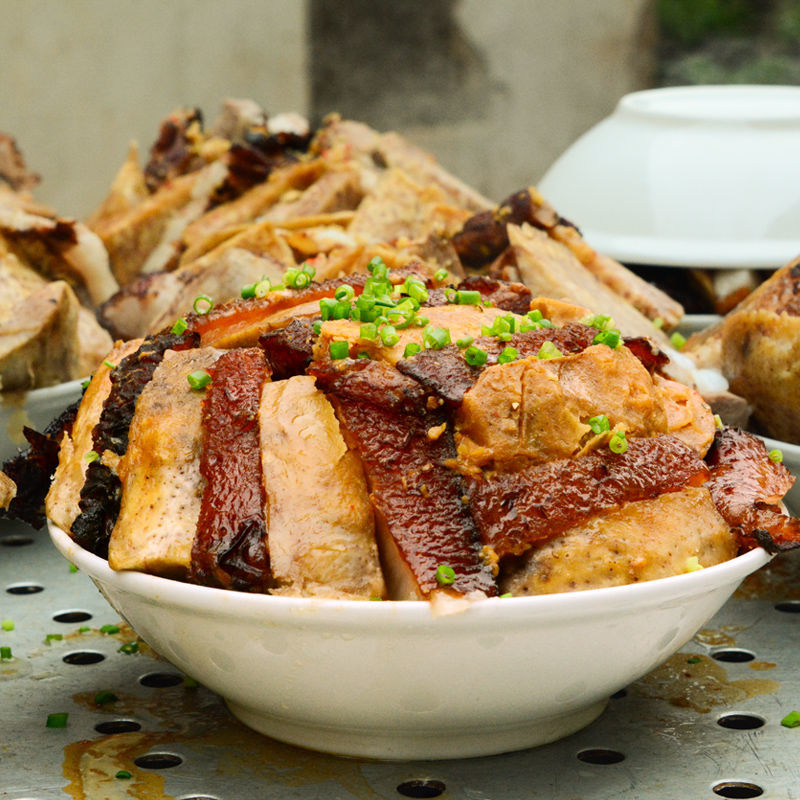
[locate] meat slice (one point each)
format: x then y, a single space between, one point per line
514 511
747 487
229 548
289 350
321 534
641 541
160 474
507 295
421 519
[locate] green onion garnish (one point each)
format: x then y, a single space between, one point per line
435 338
85 383
7 624
179 327
84 629
618 443
658 322
475 357
316 326
441 275
73 568
129 648
248 291
462 344
53 637
776 456
412 348
389 335
109 629
57 720
109 364
339 350
718 422
599 424
507 594
611 338
202 304
694 660
92 455
5 654
677 340
190 683
465 297
368 330
123 775
445 575
344 292
549 350
791 720
101 698
263 288
508 355
198 379
600 321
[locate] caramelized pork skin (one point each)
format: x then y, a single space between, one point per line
515 510
747 486
418 501
229 548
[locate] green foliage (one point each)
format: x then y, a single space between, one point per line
690 22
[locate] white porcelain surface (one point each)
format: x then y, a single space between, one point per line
389 680
791 460
35 409
696 176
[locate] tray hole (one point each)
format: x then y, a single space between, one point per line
25 588
72 616
198 797
733 656
788 606
160 680
158 761
421 788
118 726
16 541
600 755
738 789
741 722
619 694
82 658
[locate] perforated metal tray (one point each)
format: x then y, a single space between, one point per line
706 725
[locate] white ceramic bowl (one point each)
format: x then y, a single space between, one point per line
36 409
791 460
700 176
389 680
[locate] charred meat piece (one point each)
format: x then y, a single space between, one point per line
514 511
229 548
421 519
175 150
747 487
509 296
289 350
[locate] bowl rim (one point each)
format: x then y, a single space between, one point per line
785 447
224 602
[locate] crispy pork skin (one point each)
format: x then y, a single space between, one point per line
62 500
320 525
689 417
641 541
160 475
229 548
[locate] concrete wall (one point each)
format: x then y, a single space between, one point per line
496 89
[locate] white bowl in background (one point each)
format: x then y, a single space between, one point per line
694 176
791 460
34 409
389 680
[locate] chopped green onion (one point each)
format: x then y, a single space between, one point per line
475 357
465 342
415 289
85 383
362 355
378 268
376 599
101 698
618 443
316 326
326 308
179 327
506 595
7 624
694 660
109 629
412 348
599 424
435 338
465 297
57 720
549 350
658 322
53 637
791 720
776 456
718 422
339 350
248 291
123 775
5 654
73 568
600 321
389 336
369 330
129 648
344 292
202 304
198 379
611 338
508 355
189 683
677 340
84 629
534 315
445 575
441 275
109 364
92 455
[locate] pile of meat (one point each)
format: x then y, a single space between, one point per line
403 434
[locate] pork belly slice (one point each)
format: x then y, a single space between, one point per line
422 521
229 548
289 350
100 494
641 541
62 500
515 510
161 483
321 535
747 487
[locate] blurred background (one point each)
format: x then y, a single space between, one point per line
495 90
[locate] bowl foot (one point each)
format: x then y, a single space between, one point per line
395 744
